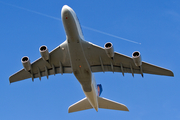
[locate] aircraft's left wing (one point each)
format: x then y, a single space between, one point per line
100 62
59 63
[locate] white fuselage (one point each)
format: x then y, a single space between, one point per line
79 63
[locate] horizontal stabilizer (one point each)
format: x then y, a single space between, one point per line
80 105
109 104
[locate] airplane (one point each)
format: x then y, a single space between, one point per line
82 58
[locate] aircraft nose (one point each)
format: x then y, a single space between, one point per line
65 11
65 7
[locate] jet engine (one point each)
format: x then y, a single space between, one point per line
44 52
109 49
136 56
26 63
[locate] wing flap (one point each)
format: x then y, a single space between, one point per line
146 68
23 74
108 68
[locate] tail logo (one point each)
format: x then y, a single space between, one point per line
99 88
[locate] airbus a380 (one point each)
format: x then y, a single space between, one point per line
82 58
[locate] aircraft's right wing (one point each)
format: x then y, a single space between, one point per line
59 63
100 62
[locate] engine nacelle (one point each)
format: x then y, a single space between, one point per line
44 52
136 56
26 63
109 49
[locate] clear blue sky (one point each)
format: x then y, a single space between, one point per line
154 24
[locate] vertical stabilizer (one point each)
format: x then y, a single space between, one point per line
99 89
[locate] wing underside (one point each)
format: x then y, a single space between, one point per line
97 58
59 63
145 68
100 62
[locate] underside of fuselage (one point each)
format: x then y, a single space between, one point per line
79 63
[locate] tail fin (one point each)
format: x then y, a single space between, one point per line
80 105
109 104
99 89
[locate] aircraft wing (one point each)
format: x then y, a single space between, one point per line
100 62
59 63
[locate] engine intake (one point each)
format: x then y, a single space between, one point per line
136 56
44 52
109 49
26 63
